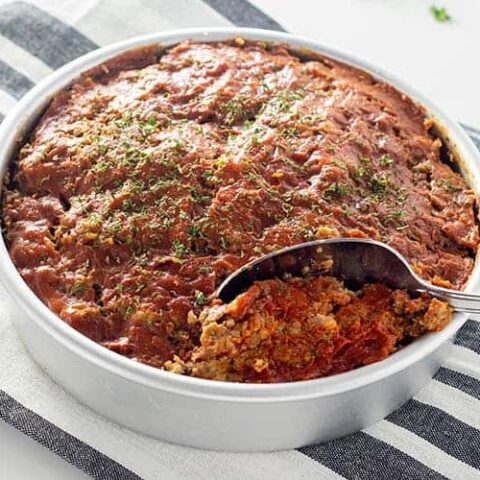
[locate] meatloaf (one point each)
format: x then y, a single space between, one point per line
157 174
305 328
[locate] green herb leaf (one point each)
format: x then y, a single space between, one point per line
347 211
379 184
447 185
334 190
440 14
179 249
385 160
200 298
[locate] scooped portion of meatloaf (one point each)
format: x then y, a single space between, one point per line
157 174
306 328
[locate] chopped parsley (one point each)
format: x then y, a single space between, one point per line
339 163
440 14
393 215
193 230
385 160
179 249
347 211
78 288
255 139
334 190
287 208
205 269
200 298
208 175
224 243
308 233
379 184
331 148
359 173
447 185
128 205
264 85
285 99
149 126
102 148
289 132
125 121
234 110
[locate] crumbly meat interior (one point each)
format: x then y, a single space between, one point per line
306 328
157 174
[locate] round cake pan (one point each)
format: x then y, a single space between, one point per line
205 413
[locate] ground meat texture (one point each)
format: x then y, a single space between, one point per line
300 329
156 175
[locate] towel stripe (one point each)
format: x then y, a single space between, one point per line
440 429
13 82
41 34
243 14
453 402
70 448
6 101
469 336
460 381
360 456
22 61
423 451
464 361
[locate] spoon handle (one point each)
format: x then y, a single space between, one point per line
460 301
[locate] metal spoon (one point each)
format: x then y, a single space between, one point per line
356 261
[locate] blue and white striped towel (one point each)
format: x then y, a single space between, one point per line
434 436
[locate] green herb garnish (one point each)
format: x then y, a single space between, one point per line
385 160
347 211
200 298
440 14
308 233
179 249
334 190
78 288
149 126
102 148
379 184
447 185
125 121
208 174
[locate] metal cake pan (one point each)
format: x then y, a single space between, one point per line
204 413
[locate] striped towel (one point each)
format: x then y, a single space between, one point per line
436 435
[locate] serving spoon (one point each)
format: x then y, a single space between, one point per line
355 261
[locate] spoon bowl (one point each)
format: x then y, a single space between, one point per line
355 261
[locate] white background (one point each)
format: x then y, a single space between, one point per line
441 60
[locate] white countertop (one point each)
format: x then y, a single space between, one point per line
441 59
